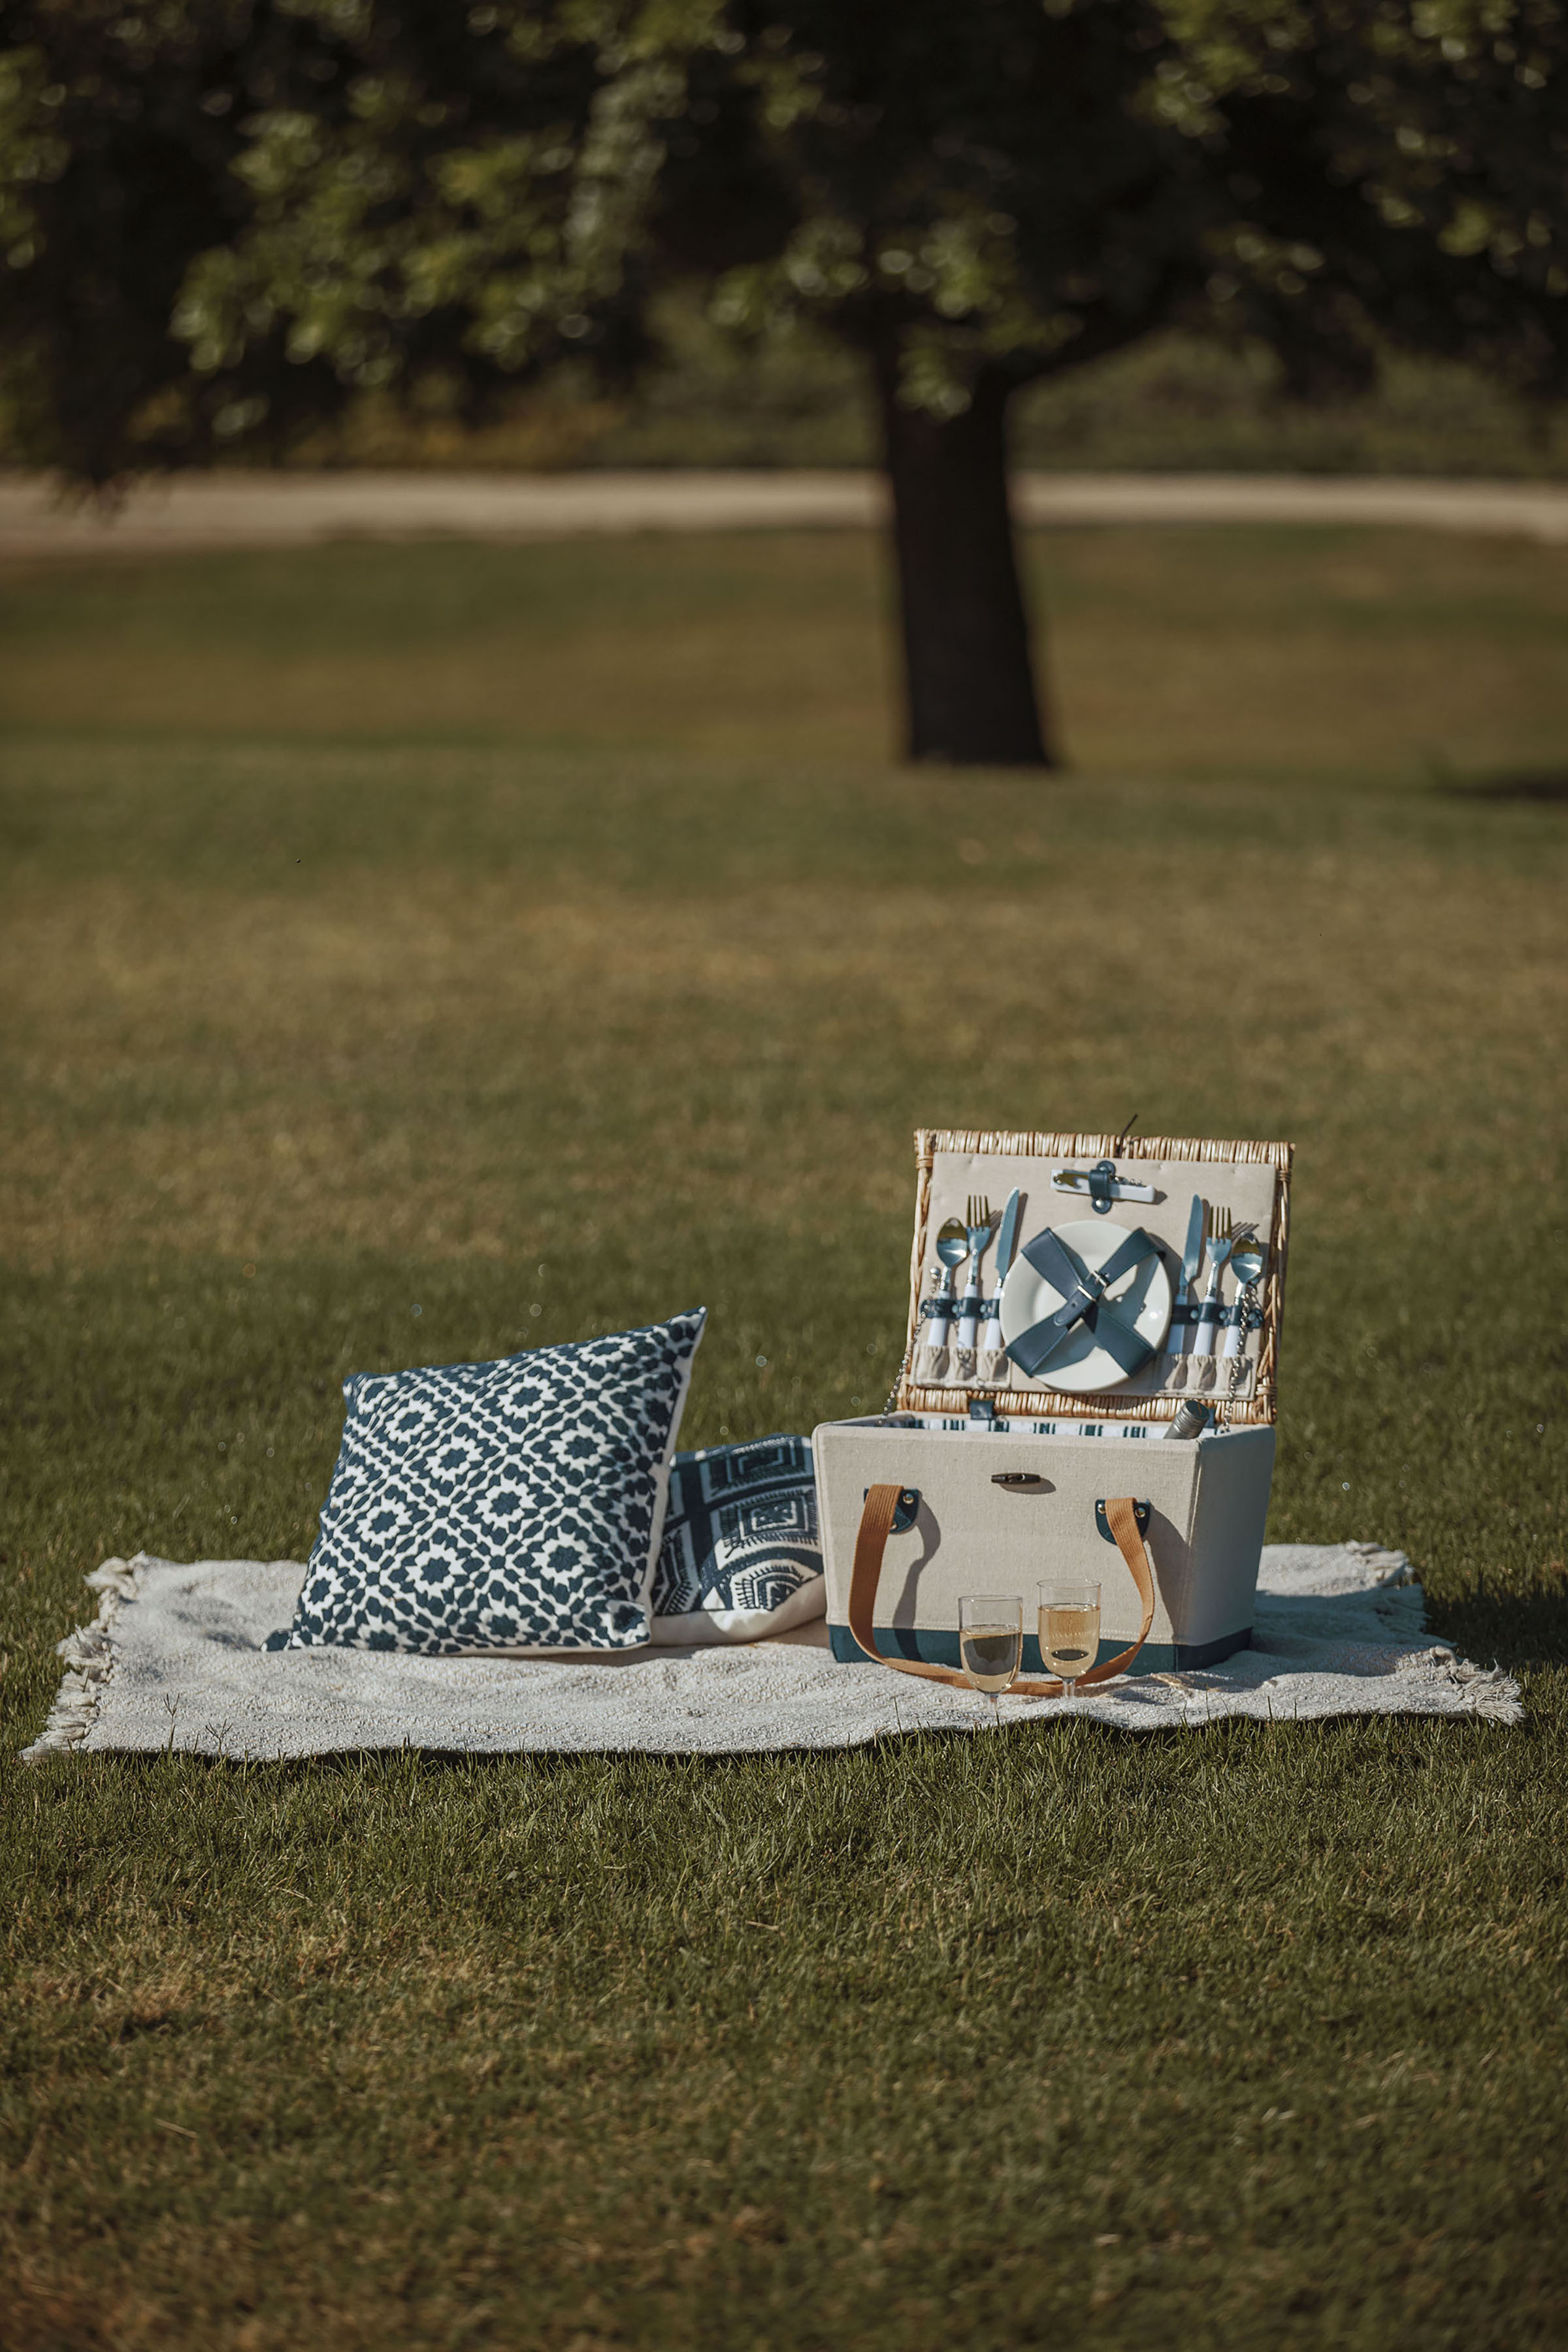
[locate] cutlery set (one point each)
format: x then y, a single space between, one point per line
1180 1334
1195 1327
977 1356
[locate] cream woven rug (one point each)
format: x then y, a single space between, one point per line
175 1660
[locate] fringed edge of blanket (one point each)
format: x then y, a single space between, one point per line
1490 1692
1392 1568
89 1653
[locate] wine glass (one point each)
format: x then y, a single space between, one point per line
991 1641
1069 1628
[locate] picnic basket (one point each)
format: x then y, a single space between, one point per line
970 1483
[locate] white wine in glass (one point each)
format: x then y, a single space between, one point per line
1070 1629
991 1640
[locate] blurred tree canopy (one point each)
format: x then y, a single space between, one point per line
221 219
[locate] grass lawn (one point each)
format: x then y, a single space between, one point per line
421 952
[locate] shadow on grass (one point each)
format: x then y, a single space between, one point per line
1519 1632
1544 786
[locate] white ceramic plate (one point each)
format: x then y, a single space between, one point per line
1081 1367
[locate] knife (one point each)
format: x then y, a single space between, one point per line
1006 1241
1191 1260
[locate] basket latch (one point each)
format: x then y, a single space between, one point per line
1018 1478
1142 1512
908 1503
1102 1175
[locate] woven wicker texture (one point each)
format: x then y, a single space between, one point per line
951 1163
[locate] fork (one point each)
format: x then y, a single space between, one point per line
1222 1239
978 1221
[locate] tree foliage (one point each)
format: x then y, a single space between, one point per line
219 217
222 218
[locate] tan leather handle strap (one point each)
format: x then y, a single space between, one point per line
871 1541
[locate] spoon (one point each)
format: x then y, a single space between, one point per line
1247 1260
952 1249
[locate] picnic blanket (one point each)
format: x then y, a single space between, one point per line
176 1659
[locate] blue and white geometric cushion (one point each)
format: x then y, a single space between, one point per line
513 1505
741 1556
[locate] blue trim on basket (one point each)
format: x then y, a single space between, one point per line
941 1649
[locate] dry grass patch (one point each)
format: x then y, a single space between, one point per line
1288 651
446 1064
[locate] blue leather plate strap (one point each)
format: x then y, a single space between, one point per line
1083 1301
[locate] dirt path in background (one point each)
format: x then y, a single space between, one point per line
254 509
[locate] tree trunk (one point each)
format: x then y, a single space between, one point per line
969 679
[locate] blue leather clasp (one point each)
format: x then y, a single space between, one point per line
1100 1177
904 1511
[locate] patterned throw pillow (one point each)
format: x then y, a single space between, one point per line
515 1505
741 1555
